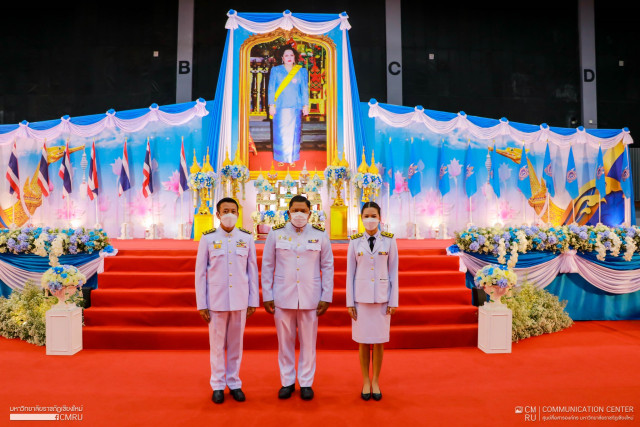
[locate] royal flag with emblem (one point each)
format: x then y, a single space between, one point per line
13 173
571 177
524 184
147 182
415 186
66 173
443 172
547 172
43 171
124 183
92 184
494 176
600 175
625 179
470 177
183 185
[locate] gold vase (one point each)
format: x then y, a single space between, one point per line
338 187
204 198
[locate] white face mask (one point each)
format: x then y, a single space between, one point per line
370 223
229 220
299 219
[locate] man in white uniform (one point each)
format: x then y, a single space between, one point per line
227 294
297 287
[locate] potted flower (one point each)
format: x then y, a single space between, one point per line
496 280
63 281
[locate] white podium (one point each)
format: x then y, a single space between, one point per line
64 331
494 328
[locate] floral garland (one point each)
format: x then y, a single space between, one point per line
585 238
335 173
62 276
367 180
202 180
239 172
53 242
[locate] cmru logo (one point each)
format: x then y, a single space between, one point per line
469 171
519 409
548 170
599 172
524 173
625 174
412 170
571 175
443 170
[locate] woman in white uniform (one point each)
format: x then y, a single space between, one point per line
372 294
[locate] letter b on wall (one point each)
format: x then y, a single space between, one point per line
184 67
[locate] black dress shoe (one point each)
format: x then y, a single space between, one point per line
365 396
238 395
376 396
286 392
306 393
218 396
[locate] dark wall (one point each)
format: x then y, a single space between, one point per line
367 37
494 59
81 58
618 39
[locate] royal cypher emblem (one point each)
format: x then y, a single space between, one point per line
571 175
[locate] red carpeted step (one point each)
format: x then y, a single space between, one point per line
155 297
150 263
329 338
137 280
335 316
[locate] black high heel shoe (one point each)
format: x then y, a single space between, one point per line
376 396
365 396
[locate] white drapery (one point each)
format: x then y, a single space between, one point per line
287 22
110 121
606 279
462 123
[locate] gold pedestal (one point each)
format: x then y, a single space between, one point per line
201 223
360 225
239 221
339 222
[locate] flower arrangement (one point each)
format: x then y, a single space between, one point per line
317 217
200 180
367 180
53 242
586 238
63 281
270 217
22 315
335 173
496 280
536 312
239 172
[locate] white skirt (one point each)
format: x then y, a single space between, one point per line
372 326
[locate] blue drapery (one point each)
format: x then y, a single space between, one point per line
36 263
584 301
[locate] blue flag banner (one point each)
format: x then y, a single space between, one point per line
494 175
470 176
415 186
625 179
547 172
389 170
524 183
600 175
571 177
443 173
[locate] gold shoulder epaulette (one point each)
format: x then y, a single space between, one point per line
355 236
386 234
209 231
318 227
244 230
278 227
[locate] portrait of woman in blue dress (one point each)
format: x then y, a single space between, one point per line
288 102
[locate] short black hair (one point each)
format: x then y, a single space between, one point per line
226 200
287 47
299 198
370 205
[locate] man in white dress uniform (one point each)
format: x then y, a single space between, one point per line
227 293
297 287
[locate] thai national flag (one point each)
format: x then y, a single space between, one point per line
92 185
65 173
43 171
124 183
183 185
147 182
13 174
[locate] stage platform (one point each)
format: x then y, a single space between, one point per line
146 300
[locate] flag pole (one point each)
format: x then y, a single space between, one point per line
548 208
573 210
470 211
97 212
599 207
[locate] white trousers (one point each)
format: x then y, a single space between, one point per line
306 323
226 331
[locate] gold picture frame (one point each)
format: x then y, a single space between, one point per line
245 93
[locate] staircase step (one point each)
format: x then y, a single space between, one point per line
186 298
335 316
264 338
149 263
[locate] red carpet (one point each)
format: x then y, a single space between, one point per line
589 364
146 300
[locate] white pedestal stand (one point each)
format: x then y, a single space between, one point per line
64 331
494 328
